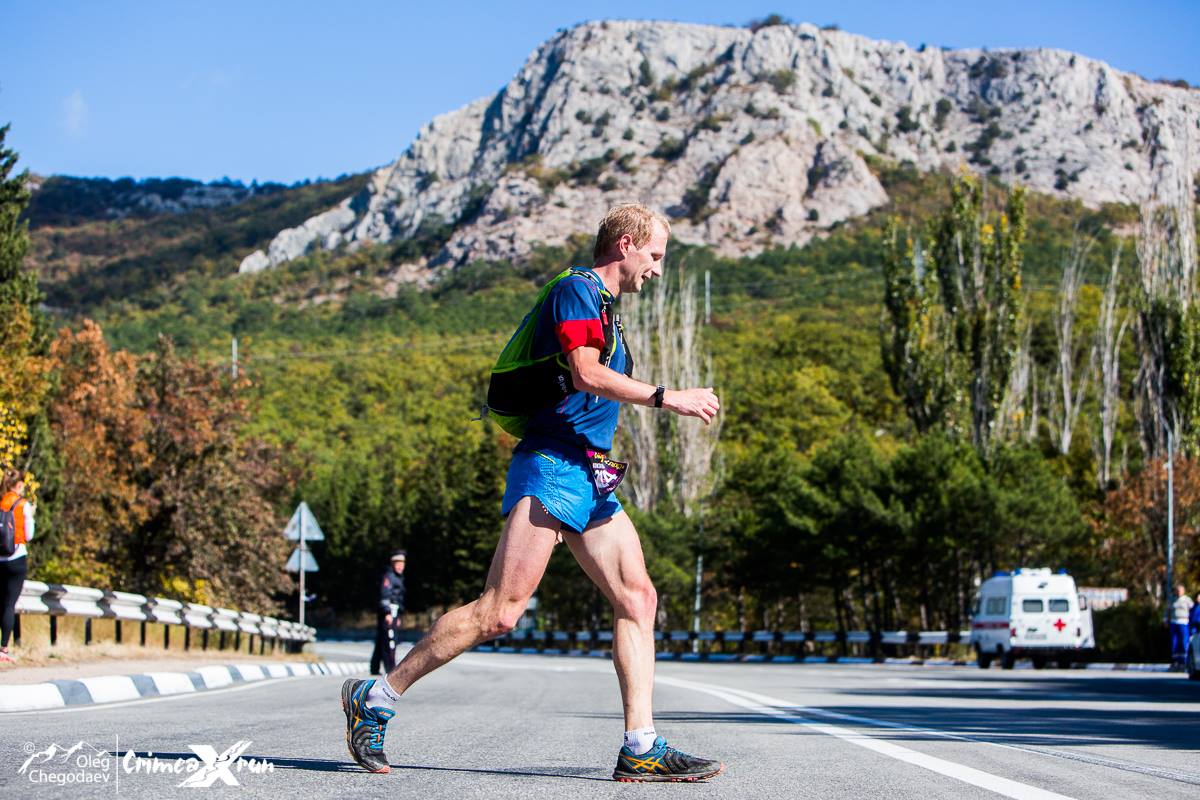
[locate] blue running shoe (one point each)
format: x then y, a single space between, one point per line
664 763
365 726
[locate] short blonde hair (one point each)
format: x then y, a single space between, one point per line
634 219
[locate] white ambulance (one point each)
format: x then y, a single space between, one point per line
1030 613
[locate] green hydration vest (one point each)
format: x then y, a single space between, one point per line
522 385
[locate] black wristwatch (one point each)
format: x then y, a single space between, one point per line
658 396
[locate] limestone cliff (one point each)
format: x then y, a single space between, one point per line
752 138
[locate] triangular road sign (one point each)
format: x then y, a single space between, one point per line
310 562
312 531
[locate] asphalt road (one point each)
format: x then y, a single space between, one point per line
517 726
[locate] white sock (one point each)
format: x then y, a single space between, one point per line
641 740
381 693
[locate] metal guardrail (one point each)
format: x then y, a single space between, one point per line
767 645
59 600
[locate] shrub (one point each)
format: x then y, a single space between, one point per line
669 149
601 123
695 199
781 80
988 68
692 79
757 113
906 123
645 74
1132 631
666 90
771 20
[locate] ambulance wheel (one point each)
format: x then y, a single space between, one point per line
1039 662
984 660
1008 660
1064 662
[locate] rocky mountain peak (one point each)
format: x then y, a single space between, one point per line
749 139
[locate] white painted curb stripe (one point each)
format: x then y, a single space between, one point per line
121 688
111 688
215 677
250 672
767 706
30 697
171 682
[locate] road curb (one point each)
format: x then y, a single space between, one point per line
115 688
750 658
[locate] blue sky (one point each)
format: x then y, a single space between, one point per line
291 90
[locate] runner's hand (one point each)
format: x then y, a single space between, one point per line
702 403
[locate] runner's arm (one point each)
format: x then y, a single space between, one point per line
589 375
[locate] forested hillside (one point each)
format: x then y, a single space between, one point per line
828 504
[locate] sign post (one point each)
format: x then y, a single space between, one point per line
303 528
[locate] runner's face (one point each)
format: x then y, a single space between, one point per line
645 262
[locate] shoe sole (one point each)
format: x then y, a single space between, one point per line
347 691
668 778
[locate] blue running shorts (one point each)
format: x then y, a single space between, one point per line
562 483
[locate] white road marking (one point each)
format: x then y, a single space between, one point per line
768 706
1067 755
773 707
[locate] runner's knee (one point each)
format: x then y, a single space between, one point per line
638 601
499 618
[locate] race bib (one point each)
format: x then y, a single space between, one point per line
606 473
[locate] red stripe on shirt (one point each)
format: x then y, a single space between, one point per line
573 333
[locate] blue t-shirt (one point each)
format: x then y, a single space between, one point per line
572 317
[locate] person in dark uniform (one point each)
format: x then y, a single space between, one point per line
391 605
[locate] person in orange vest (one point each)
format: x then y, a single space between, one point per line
14 566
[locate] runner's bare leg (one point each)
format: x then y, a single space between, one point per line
517 567
611 555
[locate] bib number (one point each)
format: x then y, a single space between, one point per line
606 473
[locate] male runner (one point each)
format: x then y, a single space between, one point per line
551 489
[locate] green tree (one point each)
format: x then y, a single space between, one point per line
18 285
964 329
